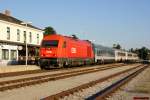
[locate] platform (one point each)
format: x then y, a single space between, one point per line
15 68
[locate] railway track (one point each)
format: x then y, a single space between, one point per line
11 74
102 95
17 83
105 91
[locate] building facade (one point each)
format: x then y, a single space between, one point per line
13 38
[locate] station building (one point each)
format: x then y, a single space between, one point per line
13 37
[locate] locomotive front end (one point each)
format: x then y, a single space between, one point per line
49 53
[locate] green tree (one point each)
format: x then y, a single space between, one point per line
143 53
116 46
49 30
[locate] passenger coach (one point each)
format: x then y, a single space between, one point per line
104 54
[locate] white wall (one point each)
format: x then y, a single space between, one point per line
13 33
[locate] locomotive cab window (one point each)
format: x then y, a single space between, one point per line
50 43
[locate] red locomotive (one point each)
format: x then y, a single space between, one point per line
58 51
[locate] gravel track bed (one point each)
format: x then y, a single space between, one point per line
85 93
37 92
137 87
49 73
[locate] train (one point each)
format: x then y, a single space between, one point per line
64 51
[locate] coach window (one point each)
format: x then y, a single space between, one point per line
130 55
98 53
64 44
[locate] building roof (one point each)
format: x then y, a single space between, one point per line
14 20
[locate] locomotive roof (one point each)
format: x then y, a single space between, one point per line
70 37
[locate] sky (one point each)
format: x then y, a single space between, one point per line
104 22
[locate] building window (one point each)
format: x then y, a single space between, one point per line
37 38
24 35
5 54
30 37
13 54
18 35
8 33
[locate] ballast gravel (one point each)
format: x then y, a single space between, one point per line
43 90
136 89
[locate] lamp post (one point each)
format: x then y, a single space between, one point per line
26 24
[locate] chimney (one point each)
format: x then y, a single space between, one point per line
7 12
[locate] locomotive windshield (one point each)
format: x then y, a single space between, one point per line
50 43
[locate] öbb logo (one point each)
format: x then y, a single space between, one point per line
73 50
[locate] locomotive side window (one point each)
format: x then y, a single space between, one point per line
64 44
50 43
